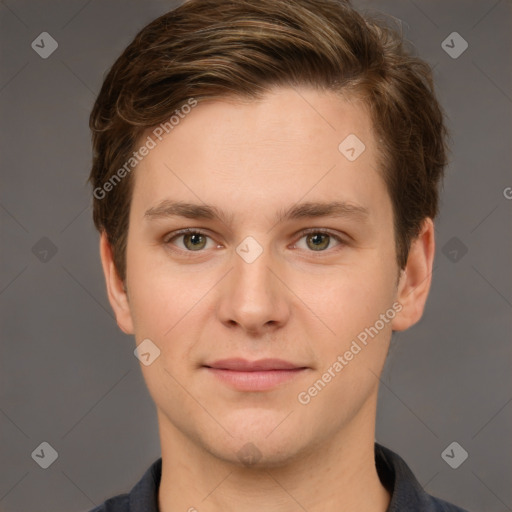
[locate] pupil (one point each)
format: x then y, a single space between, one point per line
194 240
319 240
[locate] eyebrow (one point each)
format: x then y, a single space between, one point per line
168 208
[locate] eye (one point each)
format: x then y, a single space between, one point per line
318 240
192 240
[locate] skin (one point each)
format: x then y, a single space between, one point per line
253 159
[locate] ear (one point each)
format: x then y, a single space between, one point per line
117 295
415 279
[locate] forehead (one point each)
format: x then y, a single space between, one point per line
291 144
292 119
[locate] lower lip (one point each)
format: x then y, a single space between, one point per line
255 381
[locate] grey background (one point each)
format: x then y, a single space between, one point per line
68 376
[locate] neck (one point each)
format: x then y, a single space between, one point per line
336 475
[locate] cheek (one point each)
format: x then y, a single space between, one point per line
159 307
352 308
351 299
152 300
163 300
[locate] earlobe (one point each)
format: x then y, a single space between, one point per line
415 280
116 291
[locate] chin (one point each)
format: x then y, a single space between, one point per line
257 454
257 444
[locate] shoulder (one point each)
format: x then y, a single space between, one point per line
120 503
406 492
142 498
439 505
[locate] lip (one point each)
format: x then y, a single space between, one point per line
243 365
260 375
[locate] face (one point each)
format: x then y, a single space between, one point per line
289 254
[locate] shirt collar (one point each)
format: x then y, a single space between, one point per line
406 492
395 475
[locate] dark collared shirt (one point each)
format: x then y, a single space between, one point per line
407 495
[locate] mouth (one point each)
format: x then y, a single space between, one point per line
260 375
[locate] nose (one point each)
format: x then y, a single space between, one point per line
253 296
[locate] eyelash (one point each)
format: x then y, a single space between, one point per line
197 231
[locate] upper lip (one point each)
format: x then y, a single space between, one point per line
243 365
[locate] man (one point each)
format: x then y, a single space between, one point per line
265 181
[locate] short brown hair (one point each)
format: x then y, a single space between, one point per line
207 49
